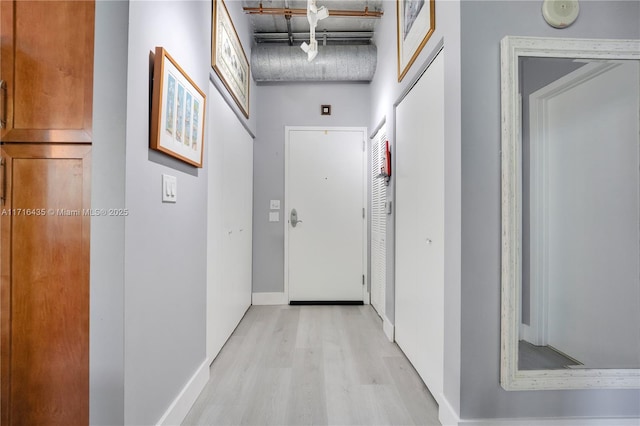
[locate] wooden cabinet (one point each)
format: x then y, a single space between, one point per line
46 68
46 64
44 269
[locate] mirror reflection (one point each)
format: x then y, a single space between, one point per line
580 295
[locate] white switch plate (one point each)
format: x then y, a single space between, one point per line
169 189
274 216
274 204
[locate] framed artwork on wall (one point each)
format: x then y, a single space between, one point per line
228 58
416 23
177 111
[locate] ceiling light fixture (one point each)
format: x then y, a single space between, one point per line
314 14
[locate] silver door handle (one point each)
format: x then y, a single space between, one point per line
293 218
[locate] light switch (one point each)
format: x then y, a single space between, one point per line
274 216
169 189
274 204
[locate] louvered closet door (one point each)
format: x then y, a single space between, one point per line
378 223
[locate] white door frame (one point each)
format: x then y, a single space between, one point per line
285 221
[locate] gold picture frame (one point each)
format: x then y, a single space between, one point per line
177 111
228 58
416 21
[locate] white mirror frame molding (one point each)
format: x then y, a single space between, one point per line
511 378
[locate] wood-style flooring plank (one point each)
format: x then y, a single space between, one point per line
282 339
413 393
263 400
306 404
312 365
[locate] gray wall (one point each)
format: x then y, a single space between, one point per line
107 233
160 331
387 92
280 105
483 25
165 244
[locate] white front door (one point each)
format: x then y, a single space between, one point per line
324 184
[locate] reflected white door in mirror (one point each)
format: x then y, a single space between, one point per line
570 213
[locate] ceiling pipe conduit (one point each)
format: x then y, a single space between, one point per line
366 13
273 63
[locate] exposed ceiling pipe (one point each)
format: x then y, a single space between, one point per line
366 13
280 63
333 37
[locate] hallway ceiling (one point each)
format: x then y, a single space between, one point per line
278 37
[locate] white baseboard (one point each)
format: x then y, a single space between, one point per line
586 421
448 417
526 333
389 329
523 330
446 414
269 299
180 406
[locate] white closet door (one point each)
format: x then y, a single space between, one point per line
378 223
419 148
230 211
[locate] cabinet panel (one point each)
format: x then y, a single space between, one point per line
47 64
44 263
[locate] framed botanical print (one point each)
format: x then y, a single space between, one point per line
416 24
177 111
228 58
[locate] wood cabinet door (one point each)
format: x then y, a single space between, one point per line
46 63
44 285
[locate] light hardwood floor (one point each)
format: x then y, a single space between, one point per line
312 365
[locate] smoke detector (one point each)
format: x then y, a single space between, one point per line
560 13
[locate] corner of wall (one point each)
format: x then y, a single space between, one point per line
106 375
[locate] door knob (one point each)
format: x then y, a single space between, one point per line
294 218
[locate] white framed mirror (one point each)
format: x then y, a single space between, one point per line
570 213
